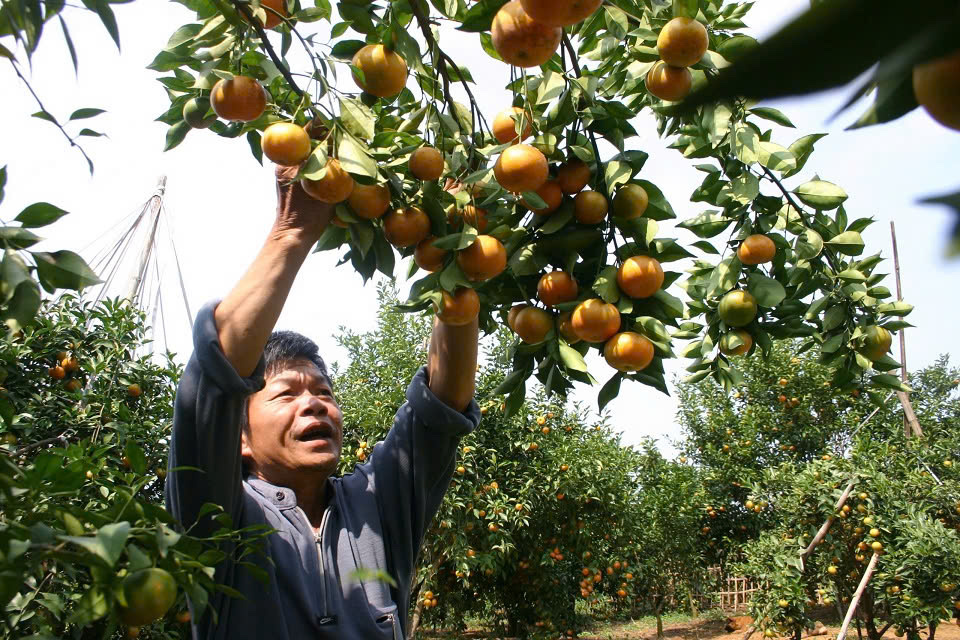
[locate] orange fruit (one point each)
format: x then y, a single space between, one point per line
737 308
936 85
566 330
149 594
556 287
272 19
369 201
73 385
428 257
240 99
727 347
550 193
682 42
560 14
57 372
384 71
669 83
520 40
286 144
533 325
69 364
876 344
595 320
505 125
512 314
590 207
630 202
406 227
640 276
521 168
459 308
484 259
133 390
476 218
335 186
573 176
195 113
756 249
426 163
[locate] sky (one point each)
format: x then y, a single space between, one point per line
220 202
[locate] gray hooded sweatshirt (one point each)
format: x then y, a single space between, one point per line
375 519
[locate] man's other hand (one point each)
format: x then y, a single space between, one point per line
296 211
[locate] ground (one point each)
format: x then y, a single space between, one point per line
681 627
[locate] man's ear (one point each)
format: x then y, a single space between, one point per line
245 451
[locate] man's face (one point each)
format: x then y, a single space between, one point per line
295 425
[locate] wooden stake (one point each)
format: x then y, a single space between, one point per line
911 426
856 596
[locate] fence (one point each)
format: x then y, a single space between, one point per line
728 593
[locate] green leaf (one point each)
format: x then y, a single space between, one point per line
848 243
888 381
81 114
609 391
107 544
63 270
894 98
808 245
571 358
69 41
254 142
775 157
768 292
894 309
558 219
17 238
706 225
344 49
606 285
175 135
138 460
107 17
357 118
821 195
774 115
801 150
22 307
513 380
354 159
659 208
724 276
685 8
480 16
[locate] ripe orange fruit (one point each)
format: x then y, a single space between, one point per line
521 167
551 193
756 249
240 99
628 351
556 287
595 320
565 328
183 616
73 385
149 593
133 390
286 144
727 347
195 113
640 276
406 227
936 85
506 122
369 201
590 207
476 218
737 308
533 324
669 83
484 259
573 176
512 315
335 186
559 14
69 364
520 40
384 71
876 344
428 257
57 372
426 163
272 19
630 202
682 42
459 308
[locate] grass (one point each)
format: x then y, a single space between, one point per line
648 622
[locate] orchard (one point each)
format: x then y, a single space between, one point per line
541 219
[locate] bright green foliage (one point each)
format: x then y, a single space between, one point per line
82 473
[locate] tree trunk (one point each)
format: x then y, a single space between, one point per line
693 601
415 619
933 630
657 609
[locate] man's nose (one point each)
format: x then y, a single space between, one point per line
312 404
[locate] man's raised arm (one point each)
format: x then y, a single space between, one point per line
452 363
247 316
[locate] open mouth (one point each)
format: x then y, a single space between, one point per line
316 433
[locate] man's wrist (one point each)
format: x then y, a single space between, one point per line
293 239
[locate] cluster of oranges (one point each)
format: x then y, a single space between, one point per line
681 44
66 368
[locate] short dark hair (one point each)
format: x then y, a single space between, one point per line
283 348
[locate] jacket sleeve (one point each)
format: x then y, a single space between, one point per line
412 468
204 462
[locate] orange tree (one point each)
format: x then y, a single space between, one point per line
545 525
86 545
499 211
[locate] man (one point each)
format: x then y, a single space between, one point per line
257 430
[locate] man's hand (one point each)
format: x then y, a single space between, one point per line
297 212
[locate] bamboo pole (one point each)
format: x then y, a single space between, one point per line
911 426
856 596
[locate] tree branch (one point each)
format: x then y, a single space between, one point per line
856 596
